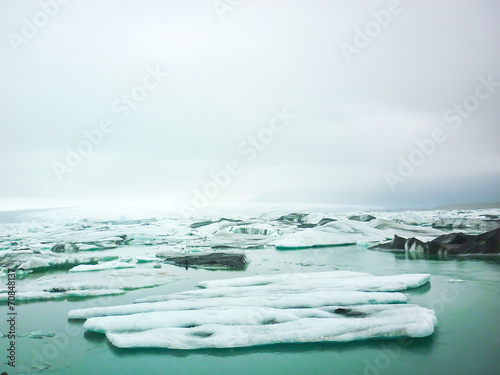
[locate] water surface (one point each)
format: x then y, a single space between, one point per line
463 292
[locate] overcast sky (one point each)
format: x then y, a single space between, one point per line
179 88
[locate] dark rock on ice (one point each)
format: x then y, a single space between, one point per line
349 312
461 243
416 246
448 244
364 218
57 290
210 260
398 243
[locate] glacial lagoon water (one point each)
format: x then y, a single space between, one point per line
464 293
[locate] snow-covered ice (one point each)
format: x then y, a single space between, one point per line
268 309
340 232
82 284
289 327
276 300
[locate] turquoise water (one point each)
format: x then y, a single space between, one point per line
466 341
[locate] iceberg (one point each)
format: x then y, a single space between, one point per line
326 326
332 306
335 233
454 243
401 229
333 278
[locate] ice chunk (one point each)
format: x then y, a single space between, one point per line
100 267
277 300
36 263
340 232
269 309
38 335
406 321
282 277
80 285
42 261
347 280
235 316
401 229
38 295
466 223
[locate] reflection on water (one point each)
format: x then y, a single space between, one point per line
493 258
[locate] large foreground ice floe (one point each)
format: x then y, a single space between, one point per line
332 306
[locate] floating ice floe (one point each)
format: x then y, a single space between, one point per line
349 232
333 306
100 267
36 295
42 261
81 285
339 232
38 335
401 229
